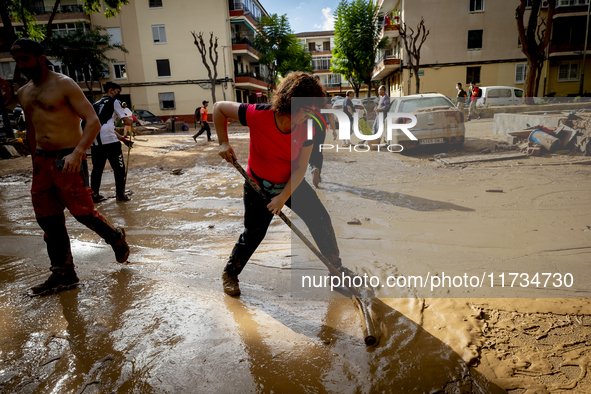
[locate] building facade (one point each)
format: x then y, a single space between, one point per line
163 71
320 45
478 40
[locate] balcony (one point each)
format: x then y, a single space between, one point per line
250 81
243 47
240 12
390 31
386 65
567 49
39 10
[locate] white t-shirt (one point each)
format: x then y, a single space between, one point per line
128 112
107 134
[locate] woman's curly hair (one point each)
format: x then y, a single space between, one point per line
298 84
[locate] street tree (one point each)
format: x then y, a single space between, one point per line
84 52
413 50
356 40
22 11
280 50
212 69
534 41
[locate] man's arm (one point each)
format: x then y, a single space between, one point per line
222 111
84 110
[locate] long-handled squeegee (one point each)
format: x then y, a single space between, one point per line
371 328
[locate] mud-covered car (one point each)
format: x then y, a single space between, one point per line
439 122
147 117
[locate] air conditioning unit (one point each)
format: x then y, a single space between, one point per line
545 4
105 75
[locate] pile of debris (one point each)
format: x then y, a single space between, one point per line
571 136
13 147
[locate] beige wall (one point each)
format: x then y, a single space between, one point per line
179 17
563 89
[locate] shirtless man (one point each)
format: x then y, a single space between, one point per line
54 105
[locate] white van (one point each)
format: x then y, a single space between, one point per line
500 95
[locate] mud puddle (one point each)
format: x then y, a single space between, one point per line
162 324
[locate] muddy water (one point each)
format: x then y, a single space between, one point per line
162 324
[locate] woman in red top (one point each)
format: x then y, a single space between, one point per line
278 157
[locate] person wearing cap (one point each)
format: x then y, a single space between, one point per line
203 123
54 104
107 145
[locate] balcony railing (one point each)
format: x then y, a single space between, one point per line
61 9
252 75
384 57
241 40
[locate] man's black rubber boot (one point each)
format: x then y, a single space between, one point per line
122 197
96 198
56 283
121 248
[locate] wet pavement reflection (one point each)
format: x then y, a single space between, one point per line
161 323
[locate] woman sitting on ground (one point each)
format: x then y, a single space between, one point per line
278 158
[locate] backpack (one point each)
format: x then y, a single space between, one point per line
479 94
104 110
198 114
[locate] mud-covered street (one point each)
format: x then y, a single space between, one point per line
162 324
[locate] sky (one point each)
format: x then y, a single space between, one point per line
307 15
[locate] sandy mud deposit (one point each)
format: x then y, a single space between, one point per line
161 323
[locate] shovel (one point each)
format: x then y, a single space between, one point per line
371 330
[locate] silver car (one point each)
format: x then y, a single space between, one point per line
439 122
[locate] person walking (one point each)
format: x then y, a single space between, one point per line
60 171
107 145
461 97
349 110
203 123
277 161
316 157
383 106
127 128
474 93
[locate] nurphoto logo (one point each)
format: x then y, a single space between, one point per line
395 121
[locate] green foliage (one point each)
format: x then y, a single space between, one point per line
356 40
19 10
83 50
280 50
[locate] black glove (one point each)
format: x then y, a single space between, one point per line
127 142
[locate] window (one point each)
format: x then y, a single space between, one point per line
163 67
520 69
120 71
474 39
568 71
155 3
159 34
566 3
518 92
166 100
311 46
472 74
114 35
476 5
326 46
321 63
7 70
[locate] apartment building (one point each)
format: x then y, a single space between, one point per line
478 40
163 71
320 44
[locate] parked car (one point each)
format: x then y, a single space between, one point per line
500 95
147 116
439 122
359 107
